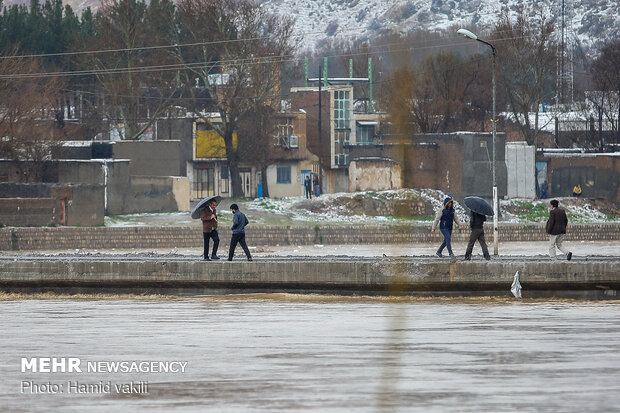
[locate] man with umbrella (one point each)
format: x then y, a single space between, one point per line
479 209
209 228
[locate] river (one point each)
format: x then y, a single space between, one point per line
310 353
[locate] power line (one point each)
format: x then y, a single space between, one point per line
229 62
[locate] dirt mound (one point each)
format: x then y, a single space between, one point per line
403 203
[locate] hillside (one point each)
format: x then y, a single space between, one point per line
592 21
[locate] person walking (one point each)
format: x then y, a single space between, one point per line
308 187
209 230
556 228
238 233
445 218
476 223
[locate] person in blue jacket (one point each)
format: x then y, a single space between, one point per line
238 233
445 217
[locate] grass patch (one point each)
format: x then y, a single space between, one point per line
267 205
533 212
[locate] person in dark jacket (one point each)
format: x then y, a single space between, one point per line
556 228
209 230
476 223
317 185
445 217
238 233
308 187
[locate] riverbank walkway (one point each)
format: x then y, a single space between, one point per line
593 273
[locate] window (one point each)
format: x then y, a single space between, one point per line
224 179
341 154
342 110
224 172
285 130
293 141
365 134
342 126
284 175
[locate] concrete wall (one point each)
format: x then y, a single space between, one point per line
81 172
295 188
521 168
340 181
374 174
46 204
158 194
181 130
421 168
28 171
459 163
28 211
21 190
83 204
105 185
592 279
477 164
151 158
118 188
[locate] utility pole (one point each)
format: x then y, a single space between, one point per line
320 76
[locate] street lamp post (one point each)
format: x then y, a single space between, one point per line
472 36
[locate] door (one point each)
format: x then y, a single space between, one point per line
204 184
246 181
305 173
259 184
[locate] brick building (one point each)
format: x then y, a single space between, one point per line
597 173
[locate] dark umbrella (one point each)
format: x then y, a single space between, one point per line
478 205
197 211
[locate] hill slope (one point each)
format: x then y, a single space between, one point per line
591 22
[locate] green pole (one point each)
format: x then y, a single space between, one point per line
325 72
370 109
350 70
306 70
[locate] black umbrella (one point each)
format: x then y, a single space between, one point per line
478 205
197 211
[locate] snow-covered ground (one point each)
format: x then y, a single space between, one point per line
370 207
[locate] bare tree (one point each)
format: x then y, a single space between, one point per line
29 125
134 93
256 131
402 104
606 79
448 81
236 57
526 65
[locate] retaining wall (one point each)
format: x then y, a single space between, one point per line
65 238
584 279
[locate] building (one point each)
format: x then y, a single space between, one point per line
290 158
334 127
285 160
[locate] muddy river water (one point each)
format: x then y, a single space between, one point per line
307 353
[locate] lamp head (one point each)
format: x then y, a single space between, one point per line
467 33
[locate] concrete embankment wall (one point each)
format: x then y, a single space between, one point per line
64 238
584 279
